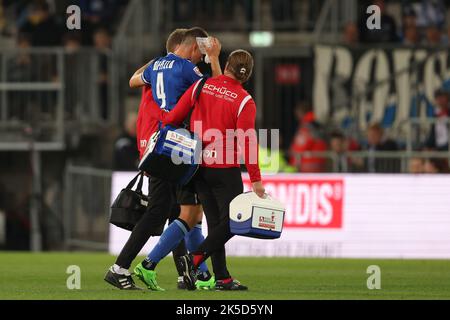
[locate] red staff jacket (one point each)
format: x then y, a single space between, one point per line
146 123
224 118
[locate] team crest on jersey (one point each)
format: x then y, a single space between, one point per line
197 71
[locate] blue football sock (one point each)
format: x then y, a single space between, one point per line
169 240
193 240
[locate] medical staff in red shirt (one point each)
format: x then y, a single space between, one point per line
224 118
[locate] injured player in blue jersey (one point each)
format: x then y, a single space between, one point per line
178 72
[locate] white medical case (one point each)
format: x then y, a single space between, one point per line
255 217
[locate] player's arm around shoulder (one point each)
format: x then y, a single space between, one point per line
182 108
137 80
156 113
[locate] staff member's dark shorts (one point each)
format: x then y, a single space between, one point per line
164 202
162 205
187 195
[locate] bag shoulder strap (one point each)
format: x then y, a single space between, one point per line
133 181
141 181
198 91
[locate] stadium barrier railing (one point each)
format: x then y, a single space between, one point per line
366 161
87 199
46 93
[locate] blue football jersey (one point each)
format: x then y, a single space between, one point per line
170 77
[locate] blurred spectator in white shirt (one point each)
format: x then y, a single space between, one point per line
431 12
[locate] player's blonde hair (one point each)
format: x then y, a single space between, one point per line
175 39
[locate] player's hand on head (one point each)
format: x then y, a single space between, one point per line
214 49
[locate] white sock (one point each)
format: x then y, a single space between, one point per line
119 270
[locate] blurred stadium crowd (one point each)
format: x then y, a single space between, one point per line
43 22
411 22
421 23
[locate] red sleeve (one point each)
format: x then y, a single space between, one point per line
156 113
181 110
249 142
140 118
138 128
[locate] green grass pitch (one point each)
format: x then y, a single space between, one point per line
43 276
